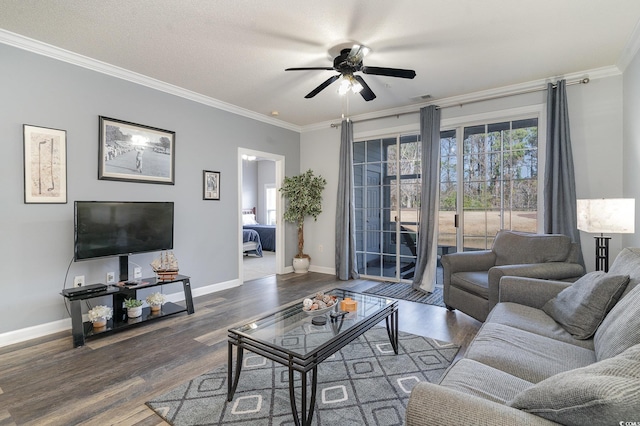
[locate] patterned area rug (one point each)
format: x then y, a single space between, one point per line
406 292
363 384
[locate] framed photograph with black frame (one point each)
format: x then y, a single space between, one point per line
45 165
136 153
210 185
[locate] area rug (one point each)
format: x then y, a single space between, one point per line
363 384
404 291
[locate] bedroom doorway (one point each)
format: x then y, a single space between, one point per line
261 239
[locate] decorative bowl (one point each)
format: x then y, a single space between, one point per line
321 311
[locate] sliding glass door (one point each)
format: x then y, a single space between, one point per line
387 193
497 166
488 182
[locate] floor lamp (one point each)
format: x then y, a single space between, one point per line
606 216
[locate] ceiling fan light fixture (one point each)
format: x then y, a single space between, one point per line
345 86
356 87
349 82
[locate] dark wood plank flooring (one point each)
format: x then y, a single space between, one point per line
108 381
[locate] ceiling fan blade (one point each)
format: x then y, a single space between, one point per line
389 72
322 86
366 91
310 68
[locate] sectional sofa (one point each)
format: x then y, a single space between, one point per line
550 352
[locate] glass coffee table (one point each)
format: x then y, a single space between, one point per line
288 337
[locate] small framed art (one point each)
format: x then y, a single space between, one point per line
45 165
210 185
135 153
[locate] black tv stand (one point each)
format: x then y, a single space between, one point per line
124 267
84 330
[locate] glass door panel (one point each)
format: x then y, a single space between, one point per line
499 169
447 214
387 198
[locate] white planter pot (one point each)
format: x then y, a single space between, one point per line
134 312
301 265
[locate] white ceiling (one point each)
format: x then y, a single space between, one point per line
235 51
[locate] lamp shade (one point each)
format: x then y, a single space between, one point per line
607 215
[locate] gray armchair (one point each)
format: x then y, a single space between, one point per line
471 279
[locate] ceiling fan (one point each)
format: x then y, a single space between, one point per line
347 63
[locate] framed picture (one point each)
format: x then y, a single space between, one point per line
210 185
135 153
45 165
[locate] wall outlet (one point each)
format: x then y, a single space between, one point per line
111 277
137 272
78 281
320 248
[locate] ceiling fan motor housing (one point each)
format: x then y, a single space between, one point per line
342 64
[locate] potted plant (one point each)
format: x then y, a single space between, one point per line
155 301
304 195
99 315
134 307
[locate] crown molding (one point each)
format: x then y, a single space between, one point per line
460 100
44 49
630 49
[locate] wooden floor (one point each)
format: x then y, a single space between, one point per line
47 381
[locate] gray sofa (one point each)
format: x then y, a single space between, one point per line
550 352
471 278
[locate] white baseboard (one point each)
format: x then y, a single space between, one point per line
28 333
40 330
322 269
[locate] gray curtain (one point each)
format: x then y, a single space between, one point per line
560 215
427 250
346 266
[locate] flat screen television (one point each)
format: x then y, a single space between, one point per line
110 228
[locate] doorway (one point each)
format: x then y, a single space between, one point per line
259 177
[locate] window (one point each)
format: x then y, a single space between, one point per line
270 201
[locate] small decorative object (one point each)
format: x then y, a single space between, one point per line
319 320
99 315
45 165
348 305
165 266
210 185
135 153
320 303
134 307
304 193
155 301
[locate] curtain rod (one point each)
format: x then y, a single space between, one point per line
584 80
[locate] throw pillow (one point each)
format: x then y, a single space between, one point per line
249 219
598 394
621 328
580 308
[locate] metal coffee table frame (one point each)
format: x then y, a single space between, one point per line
310 361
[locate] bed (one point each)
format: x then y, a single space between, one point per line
267 233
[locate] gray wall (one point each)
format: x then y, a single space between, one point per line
249 184
37 239
631 149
